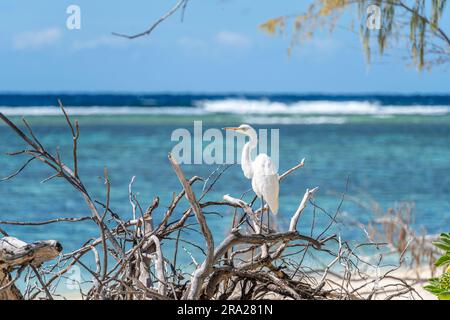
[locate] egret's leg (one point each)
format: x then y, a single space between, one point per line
268 220
262 215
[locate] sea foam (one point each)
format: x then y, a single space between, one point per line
259 107
238 106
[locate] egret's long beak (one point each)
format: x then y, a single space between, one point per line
232 128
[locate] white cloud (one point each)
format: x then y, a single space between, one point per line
105 41
232 39
36 39
220 42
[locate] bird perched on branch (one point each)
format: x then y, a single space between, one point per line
262 171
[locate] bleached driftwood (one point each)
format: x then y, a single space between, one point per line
252 261
15 253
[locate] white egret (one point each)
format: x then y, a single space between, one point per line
262 171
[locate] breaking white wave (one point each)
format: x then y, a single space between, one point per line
261 108
239 106
295 120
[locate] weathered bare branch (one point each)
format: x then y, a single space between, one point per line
180 4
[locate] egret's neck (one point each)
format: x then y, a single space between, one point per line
246 160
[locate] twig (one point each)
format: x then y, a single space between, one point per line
180 3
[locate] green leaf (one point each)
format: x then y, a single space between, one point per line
442 245
445 238
442 261
444 295
433 289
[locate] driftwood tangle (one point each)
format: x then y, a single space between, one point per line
131 261
15 253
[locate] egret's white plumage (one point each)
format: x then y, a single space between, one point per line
265 181
262 171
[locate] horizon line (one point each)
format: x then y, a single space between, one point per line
222 93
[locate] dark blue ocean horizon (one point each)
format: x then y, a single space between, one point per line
190 99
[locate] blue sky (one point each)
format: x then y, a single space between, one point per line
217 48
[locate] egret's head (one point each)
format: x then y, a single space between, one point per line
243 128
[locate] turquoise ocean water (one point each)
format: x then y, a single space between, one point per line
387 149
